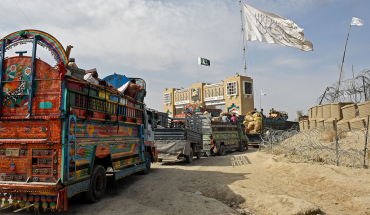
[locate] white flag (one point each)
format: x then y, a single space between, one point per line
357 21
271 28
262 94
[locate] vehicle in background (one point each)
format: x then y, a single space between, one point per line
181 138
228 135
255 123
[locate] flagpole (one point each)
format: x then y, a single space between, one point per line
341 68
197 69
241 19
260 99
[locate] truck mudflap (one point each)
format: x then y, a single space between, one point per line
171 149
37 195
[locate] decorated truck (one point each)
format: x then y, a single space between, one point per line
228 135
255 123
181 138
60 135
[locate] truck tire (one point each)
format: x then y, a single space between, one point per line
189 158
222 150
241 146
148 164
199 155
98 184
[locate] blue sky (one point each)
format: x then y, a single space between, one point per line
160 41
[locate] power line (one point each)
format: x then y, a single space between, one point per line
23 14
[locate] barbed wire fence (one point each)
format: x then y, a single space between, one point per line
324 145
355 90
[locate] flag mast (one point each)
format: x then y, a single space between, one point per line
344 54
241 19
355 21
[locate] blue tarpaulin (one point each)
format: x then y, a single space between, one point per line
116 80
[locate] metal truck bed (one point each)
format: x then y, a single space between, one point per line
177 134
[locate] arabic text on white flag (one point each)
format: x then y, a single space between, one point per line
262 94
271 28
357 21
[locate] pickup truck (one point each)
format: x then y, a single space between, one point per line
181 138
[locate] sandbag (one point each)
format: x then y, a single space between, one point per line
253 132
250 118
216 119
258 126
251 125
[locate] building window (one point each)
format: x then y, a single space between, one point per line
231 88
247 88
216 93
219 93
209 93
205 93
167 98
223 90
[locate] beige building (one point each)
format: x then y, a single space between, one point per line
235 94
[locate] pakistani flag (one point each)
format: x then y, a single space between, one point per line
203 61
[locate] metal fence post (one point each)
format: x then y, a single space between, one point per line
271 143
367 133
336 141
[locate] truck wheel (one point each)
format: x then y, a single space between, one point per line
199 155
147 164
189 158
98 183
241 146
221 151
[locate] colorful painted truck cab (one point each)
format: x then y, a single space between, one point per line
60 135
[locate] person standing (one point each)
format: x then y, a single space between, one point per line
233 118
213 146
224 118
159 124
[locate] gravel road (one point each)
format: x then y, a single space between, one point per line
250 182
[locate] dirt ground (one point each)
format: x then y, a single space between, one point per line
251 182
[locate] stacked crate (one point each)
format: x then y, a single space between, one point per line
301 128
364 111
349 113
320 116
328 121
313 117
305 124
336 113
